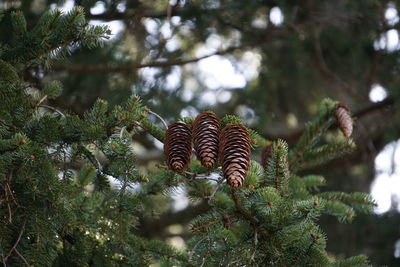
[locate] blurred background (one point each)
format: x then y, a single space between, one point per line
269 62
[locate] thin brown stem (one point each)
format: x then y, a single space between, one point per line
11 193
191 252
41 101
160 118
16 243
21 257
9 213
242 210
53 109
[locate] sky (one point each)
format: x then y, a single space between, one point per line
220 76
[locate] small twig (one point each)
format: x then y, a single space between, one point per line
203 261
53 109
95 162
64 162
248 215
2 257
22 257
255 238
2 260
41 101
11 194
121 133
211 197
195 246
197 176
8 194
159 117
242 210
9 213
169 11
99 167
16 242
97 36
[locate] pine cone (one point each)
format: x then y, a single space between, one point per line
235 154
343 117
178 146
206 138
266 154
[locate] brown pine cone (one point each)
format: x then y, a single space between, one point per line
235 154
343 117
266 154
206 138
178 146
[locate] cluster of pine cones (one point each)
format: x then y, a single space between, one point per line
231 146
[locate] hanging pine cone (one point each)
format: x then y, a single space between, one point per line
343 117
235 154
205 138
266 154
178 146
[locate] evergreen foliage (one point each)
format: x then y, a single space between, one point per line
52 215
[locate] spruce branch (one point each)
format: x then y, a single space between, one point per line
133 67
312 134
242 210
361 202
325 153
152 129
277 169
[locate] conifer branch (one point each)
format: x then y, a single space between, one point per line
133 67
273 212
152 129
242 210
298 154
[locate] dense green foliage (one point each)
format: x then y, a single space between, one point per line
58 206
